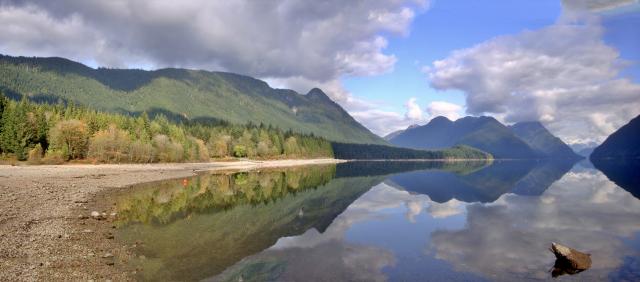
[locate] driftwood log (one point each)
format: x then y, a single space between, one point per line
569 260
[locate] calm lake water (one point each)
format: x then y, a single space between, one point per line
379 221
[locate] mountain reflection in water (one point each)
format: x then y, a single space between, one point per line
376 221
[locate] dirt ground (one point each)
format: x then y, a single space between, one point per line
47 231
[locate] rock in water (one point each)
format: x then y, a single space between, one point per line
568 260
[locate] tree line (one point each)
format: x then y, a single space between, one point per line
46 133
350 151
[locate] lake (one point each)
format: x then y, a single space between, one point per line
385 221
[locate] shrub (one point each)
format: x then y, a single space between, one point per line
35 155
110 145
239 151
166 150
140 152
198 150
70 138
53 157
219 146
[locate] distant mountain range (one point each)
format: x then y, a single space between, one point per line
181 94
527 140
541 140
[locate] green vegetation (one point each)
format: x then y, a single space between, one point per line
194 232
181 95
380 152
163 203
58 133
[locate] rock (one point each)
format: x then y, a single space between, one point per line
96 215
568 260
108 255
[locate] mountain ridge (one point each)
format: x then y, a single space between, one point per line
540 139
487 134
192 94
624 143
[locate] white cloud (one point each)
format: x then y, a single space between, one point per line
595 5
319 41
441 108
384 122
291 44
563 75
414 111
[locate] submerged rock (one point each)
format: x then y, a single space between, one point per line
569 260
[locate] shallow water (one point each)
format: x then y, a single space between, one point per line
378 221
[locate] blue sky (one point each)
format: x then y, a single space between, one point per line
444 27
456 24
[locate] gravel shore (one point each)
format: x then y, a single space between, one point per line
47 231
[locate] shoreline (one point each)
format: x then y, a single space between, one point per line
46 232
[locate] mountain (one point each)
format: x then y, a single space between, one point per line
540 139
622 144
398 132
484 133
180 94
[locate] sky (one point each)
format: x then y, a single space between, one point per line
571 64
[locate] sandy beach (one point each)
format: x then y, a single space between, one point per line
46 228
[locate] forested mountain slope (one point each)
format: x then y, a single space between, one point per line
181 94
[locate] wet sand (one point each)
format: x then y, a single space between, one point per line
46 228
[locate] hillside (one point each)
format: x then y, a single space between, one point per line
622 144
484 133
398 132
348 151
180 94
540 139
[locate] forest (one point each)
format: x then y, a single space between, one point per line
57 133
380 152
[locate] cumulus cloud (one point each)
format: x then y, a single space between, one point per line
441 108
563 75
292 44
413 109
317 40
384 122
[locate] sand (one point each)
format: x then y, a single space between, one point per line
46 228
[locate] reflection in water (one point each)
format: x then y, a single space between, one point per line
199 230
373 221
625 173
166 201
484 185
582 210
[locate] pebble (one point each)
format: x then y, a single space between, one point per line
108 255
95 215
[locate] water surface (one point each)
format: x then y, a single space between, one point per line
379 221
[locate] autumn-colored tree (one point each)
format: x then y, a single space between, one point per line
70 138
